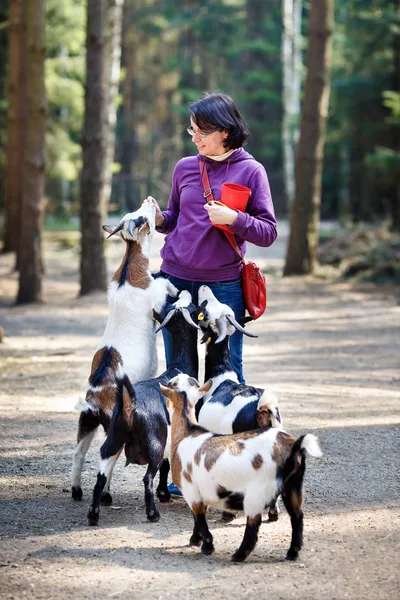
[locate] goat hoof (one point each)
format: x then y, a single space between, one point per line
76 492
207 548
239 556
106 499
163 495
195 540
153 516
93 515
292 554
228 517
272 516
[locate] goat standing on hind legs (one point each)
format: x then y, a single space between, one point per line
244 471
128 345
140 420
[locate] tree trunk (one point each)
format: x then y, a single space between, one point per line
291 71
111 85
30 259
16 124
93 209
395 191
304 224
287 85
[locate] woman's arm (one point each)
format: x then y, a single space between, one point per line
171 214
258 224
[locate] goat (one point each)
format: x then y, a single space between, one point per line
140 420
243 471
128 345
229 406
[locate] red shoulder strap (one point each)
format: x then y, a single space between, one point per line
208 195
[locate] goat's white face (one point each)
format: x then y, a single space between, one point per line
214 310
136 226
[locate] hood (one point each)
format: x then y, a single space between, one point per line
237 156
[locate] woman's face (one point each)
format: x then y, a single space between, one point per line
212 144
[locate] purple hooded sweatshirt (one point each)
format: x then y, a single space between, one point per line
194 249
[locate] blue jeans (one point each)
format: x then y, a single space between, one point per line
227 292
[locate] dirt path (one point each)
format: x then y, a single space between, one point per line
330 351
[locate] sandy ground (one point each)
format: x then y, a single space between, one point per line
330 351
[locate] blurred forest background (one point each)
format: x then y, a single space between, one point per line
146 60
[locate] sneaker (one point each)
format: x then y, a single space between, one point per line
174 490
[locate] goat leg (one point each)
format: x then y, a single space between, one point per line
293 502
195 538
152 513
106 498
88 423
163 493
249 539
199 513
106 468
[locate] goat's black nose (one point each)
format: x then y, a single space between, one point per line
140 221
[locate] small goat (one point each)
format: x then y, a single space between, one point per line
128 345
229 406
245 471
140 421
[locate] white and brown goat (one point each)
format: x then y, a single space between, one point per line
128 345
229 406
140 421
244 471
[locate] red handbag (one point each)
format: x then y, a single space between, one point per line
254 283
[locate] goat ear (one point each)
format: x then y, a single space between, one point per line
206 386
166 391
192 381
108 228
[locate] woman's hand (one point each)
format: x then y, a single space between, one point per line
159 215
220 215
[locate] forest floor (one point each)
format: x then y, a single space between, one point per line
331 352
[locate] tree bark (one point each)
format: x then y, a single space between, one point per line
30 258
112 71
301 256
93 210
287 85
395 191
16 124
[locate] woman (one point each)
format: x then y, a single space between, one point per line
195 252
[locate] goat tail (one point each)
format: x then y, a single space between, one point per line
125 397
310 444
295 462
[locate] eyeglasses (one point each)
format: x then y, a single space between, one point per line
201 134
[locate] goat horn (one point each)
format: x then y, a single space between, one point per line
188 318
222 328
236 325
119 228
167 319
